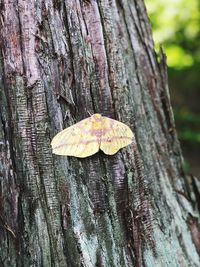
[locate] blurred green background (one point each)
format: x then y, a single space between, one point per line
176 27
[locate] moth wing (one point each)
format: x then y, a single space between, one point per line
117 135
76 140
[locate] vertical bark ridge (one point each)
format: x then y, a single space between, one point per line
28 107
96 38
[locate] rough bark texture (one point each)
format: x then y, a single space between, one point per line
60 61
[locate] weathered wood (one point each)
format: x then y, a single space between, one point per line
60 61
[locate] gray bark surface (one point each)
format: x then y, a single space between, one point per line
60 61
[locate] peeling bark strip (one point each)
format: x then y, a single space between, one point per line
195 231
60 60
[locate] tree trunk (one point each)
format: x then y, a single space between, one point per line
60 62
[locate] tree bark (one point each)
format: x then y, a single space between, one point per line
60 62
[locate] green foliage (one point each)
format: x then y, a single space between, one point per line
188 124
175 25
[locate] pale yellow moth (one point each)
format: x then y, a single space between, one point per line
88 136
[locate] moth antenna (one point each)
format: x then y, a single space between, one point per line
89 113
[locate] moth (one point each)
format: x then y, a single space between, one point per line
88 136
